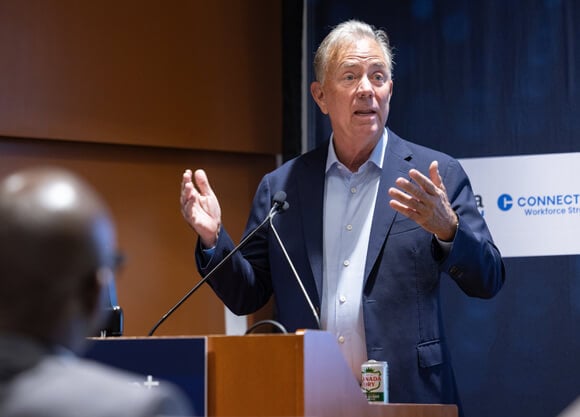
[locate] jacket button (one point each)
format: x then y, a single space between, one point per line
455 272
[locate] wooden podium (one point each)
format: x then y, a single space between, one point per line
301 374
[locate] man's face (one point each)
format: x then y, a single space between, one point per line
356 92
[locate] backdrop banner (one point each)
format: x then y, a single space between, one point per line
531 203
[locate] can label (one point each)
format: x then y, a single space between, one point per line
375 381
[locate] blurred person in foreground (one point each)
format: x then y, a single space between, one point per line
572 410
57 255
375 222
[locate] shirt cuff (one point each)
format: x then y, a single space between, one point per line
444 246
208 253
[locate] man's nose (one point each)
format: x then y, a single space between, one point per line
365 87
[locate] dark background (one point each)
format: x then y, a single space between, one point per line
489 78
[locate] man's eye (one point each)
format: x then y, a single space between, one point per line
379 77
349 77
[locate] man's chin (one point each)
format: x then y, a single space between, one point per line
370 130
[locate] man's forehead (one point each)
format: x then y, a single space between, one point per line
356 60
362 51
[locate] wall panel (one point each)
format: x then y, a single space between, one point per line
182 73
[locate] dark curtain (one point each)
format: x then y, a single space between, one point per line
292 24
488 78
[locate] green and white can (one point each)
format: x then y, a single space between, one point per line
375 381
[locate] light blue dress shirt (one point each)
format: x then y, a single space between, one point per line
349 202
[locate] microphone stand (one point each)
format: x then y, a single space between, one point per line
273 211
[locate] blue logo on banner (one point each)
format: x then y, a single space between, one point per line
505 202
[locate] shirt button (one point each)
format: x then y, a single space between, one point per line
342 299
349 227
353 190
341 339
346 263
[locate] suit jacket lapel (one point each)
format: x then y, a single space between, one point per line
396 163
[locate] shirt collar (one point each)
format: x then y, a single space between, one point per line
376 157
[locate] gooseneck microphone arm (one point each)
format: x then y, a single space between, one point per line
279 204
298 280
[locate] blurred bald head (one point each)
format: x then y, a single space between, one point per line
57 248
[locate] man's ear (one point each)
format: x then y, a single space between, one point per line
318 95
94 297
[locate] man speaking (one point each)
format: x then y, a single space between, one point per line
375 222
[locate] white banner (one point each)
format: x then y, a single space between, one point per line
531 203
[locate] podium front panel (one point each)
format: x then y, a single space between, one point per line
181 361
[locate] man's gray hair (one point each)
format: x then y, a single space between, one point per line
344 34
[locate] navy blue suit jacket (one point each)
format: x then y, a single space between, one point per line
404 266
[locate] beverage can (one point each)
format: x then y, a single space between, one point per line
375 381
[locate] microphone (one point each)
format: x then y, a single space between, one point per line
285 206
280 201
279 204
